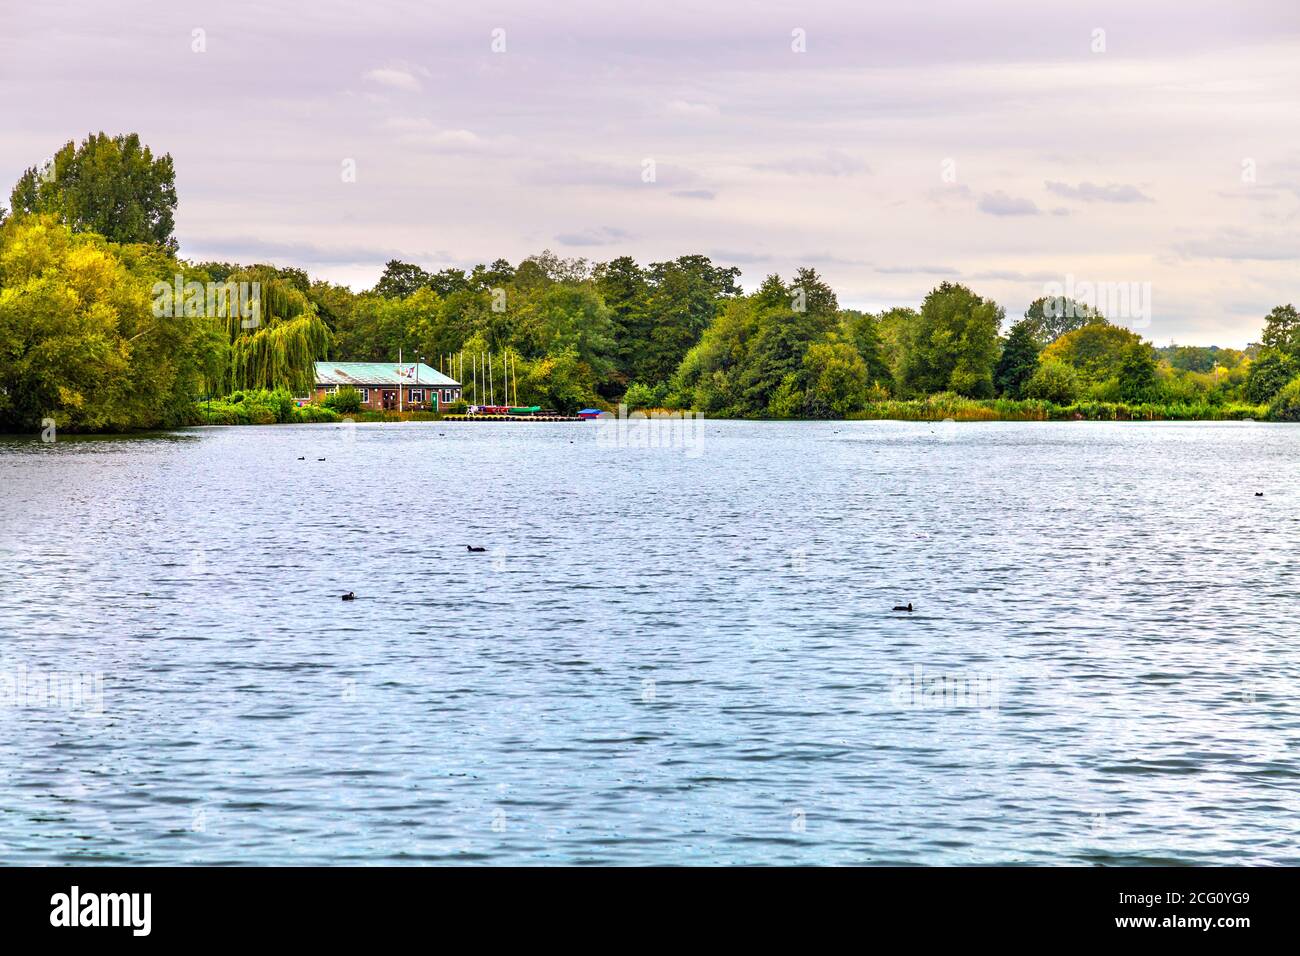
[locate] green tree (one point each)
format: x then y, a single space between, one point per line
1138 378
574 318
1053 316
1096 350
400 279
896 327
774 356
1282 331
1053 381
863 330
836 379
113 186
80 342
1018 362
1285 406
709 376
624 287
496 276
953 344
1268 373
683 299
787 399
1191 358
560 381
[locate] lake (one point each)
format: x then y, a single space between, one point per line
671 652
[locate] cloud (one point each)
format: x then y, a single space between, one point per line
397 78
600 236
686 108
695 194
420 132
251 251
917 270
1241 245
1261 192
833 162
740 257
1091 192
626 175
1000 204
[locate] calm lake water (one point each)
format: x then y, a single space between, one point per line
667 655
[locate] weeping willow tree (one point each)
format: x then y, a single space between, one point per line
273 337
281 355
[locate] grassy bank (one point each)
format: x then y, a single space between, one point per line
256 407
940 407
259 407
270 408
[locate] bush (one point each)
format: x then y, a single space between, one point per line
1054 381
1285 406
346 400
1268 375
310 414
640 396
259 407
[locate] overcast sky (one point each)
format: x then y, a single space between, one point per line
911 142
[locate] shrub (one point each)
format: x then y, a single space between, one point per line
1054 381
1285 406
259 407
309 414
346 400
640 396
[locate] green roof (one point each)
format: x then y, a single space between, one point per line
370 374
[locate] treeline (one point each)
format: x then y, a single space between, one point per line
86 339
682 334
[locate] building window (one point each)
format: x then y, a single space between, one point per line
365 395
331 389
417 396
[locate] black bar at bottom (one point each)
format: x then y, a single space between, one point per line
336 906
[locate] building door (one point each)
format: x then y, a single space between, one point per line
390 399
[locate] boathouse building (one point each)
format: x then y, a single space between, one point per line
388 385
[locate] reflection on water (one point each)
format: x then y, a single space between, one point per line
661 657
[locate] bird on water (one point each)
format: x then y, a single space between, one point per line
470 547
899 607
349 596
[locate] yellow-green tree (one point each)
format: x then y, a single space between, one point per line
79 340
